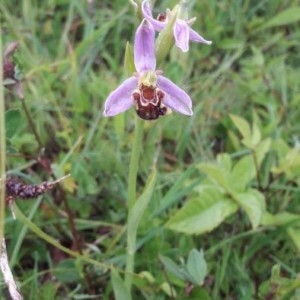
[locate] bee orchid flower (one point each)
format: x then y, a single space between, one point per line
182 31
148 90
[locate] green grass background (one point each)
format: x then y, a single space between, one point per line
71 54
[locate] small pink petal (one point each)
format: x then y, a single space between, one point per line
147 14
181 35
120 99
144 47
194 36
175 98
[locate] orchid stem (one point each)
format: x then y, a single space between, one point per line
134 162
132 184
129 270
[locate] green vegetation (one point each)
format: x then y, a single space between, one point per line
216 212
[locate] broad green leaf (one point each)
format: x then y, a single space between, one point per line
262 149
243 127
215 173
288 16
224 161
253 203
281 148
280 219
234 139
120 290
242 173
290 164
196 266
256 135
245 170
202 214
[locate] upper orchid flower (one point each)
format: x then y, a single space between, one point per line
147 89
182 31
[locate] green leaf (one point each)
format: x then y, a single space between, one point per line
140 206
280 219
120 290
202 214
290 164
256 135
288 16
172 267
243 172
148 276
243 127
224 161
66 271
196 266
253 203
215 174
262 149
13 122
168 289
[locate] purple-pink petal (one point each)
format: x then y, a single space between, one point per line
147 13
181 35
144 47
194 36
175 98
121 98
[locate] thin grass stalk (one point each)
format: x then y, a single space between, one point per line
2 146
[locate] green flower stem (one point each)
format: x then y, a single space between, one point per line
134 162
132 179
131 244
2 148
134 218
